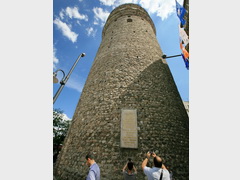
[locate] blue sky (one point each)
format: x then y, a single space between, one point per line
77 28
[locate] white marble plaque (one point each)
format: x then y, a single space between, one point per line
129 135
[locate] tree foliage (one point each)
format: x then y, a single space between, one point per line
60 128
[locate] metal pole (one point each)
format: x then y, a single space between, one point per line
57 93
165 57
64 81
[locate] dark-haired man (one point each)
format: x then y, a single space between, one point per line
158 172
131 172
94 171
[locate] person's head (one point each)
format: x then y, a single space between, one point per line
130 165
90 159
157 162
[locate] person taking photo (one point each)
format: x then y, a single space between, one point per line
158 172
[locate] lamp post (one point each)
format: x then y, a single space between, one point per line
184 59
165 56
64 79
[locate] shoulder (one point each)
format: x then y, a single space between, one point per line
166 171
94 166
147 169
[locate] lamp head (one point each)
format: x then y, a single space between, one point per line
55 80
83 54
164 56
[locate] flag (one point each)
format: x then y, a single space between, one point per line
183 36
180 12
184 51
185 55
186 61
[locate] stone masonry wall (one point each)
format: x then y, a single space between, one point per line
127 73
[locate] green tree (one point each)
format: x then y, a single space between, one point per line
60 128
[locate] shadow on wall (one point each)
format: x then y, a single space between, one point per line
162 127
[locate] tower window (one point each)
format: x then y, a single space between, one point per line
129 20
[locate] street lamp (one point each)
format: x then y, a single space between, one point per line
165 56
186 61
64 79
55 79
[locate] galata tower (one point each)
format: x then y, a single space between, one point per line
129 105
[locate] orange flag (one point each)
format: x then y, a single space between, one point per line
185 53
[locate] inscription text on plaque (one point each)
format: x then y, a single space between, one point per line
129 136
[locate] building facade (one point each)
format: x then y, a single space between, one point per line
186 105
186 17
129 105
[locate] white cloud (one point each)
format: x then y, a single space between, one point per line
107 2
162 8
126 1
66 30
74 85
91 31
165 10
73 13
100 15
55 59
78 22
115 3
65 117
95 23
61 14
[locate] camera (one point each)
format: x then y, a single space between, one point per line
151 152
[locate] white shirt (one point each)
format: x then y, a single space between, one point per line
154 173
94 172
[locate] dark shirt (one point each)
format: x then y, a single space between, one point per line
131 176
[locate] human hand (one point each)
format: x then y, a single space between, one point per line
148 155
153 154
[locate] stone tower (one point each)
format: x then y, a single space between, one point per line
129 104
